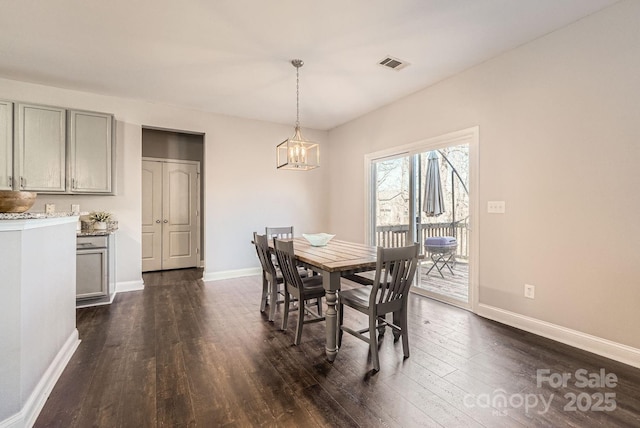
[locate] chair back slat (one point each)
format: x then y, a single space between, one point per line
279 232
262 248
395 270
286 261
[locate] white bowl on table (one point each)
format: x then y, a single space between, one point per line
318 239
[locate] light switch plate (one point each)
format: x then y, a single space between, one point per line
496 207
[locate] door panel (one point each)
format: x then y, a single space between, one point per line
151 216
40 158
392 198
90 151
6 145
180 214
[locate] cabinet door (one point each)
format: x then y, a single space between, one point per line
40 156
90 152
6 145
91 273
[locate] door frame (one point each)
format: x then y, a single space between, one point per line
470 136
198 199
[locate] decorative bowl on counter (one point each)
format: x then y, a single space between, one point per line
318 239
16 201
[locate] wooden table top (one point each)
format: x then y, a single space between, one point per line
336 256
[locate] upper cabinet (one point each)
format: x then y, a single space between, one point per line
48 149
40 149
90 152
6 145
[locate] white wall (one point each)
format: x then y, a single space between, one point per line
559 134
244 192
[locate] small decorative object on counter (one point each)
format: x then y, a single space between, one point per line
100 219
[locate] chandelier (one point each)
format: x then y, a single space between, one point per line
295 152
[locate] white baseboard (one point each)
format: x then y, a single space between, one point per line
27 416
606 348
228 274
123 287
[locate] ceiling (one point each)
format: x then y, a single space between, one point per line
233 56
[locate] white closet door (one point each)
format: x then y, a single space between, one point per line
151 216
169 215
179 231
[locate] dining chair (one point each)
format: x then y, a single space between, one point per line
279 232
303 289
395 270
285 233
271 277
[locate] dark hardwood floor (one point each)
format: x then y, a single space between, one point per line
187 353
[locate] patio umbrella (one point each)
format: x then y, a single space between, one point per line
433 204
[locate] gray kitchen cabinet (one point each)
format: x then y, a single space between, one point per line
95 269
40 148
6 145
90 152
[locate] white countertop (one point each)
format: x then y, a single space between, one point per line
32 215
24 221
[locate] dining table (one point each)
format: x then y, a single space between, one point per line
335 260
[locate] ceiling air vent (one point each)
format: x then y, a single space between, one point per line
393 63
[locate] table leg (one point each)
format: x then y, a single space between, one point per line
331 283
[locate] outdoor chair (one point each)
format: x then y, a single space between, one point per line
303 289
395 270
442 250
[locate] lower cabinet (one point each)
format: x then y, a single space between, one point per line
95 269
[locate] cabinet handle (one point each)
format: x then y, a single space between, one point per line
157 221
73 184
23 182
10 182
166 221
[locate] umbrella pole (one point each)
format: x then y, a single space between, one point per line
453 206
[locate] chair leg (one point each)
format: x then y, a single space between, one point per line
397 320
274 301
400 319
373 342
285 313
265 293
340 322
301 311
319 304
381 326
405 336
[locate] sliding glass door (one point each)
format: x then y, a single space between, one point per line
422 195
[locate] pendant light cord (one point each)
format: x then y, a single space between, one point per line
297 63
297 95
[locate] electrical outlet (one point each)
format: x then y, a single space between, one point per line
496 207
529 291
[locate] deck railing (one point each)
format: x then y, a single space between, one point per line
397 235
